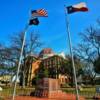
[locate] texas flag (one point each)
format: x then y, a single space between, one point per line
76 8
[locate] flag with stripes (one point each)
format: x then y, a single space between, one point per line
39 13
76 8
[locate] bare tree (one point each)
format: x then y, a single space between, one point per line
6 60
32 43
89 48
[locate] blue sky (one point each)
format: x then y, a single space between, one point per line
15 14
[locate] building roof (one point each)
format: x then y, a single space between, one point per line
46 52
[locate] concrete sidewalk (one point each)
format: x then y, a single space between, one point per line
66 97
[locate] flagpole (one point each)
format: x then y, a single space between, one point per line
71 52
14 92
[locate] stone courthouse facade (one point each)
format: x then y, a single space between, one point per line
50 61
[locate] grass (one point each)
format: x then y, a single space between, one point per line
1 98
87 92
8 92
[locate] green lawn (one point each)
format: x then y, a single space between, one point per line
87 92
8 92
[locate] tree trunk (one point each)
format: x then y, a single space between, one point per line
23 82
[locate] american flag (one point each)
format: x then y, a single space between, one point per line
39 13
